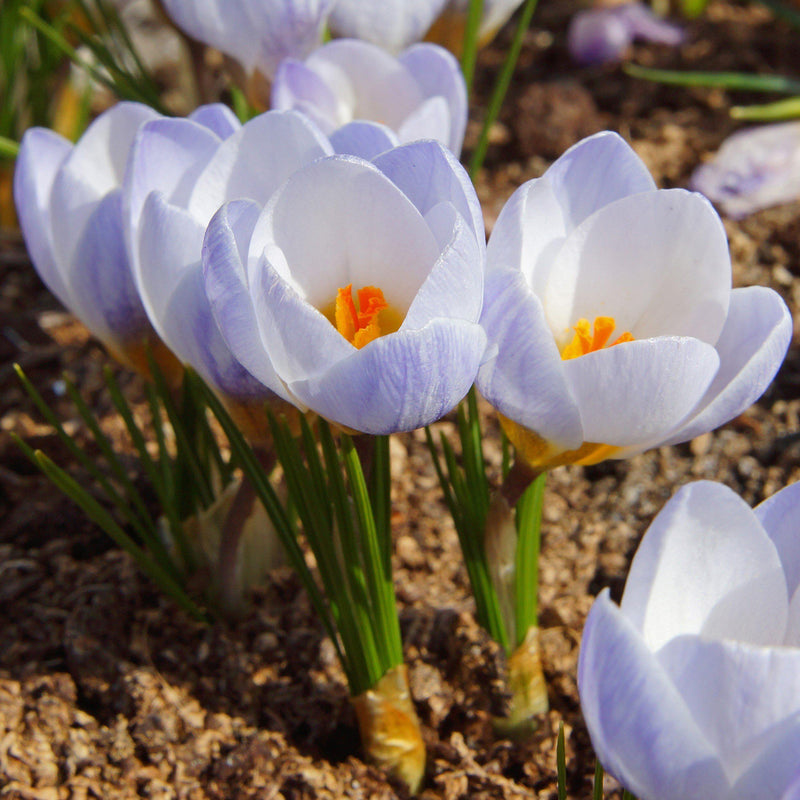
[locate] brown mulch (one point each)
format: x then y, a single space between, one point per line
108 691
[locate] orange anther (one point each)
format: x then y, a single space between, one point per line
589 338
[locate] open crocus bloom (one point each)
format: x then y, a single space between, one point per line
604 34
691 687
754 169
356 292
256 33
421 94
610 318
390 24
181 171
69 206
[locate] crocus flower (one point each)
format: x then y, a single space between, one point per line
390 24
421 94
449 29
691 687
604 34
754 169
356 292
256 33
611 322
181 171
69 206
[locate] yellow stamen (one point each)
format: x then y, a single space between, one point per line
365 320
589 338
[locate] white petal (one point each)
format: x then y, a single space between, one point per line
638 391
641 729
755 168
751 347
438 73
398 382
740 696
780 516
380 87
224 256
428 173
363 139
656 262
392 24
340 221
429 120
218 118
776 769
41 154
297 86
522 376
706 566
255 161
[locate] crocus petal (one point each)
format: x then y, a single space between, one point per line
775 769
391 24
437 72
779 516
648 26
793 792
218 118
751 347
41 153
246 167
363 139
224 256
656 262
345 213
398 382
755 168
539 215
522 375
430 120
639 390
425 172
740 695
176 301
640 726
297 86
103 291
732 585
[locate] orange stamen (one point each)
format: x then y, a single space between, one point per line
589 338
359 325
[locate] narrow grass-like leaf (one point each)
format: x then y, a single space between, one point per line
561 763
8 148
597 789
769 112
626 795
529 521
501 87
470 48
104 520
717 80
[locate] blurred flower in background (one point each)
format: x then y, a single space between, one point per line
356 292
691 687
421 94
258 34
448 29
754 169
599 35
611 323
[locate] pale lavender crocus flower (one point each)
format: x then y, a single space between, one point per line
258 34
754 169
356 292
611 323
421 94
390 24
68 201
690 688
599 35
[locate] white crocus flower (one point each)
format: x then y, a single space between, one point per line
356 292
610 318
421 94
691 687
256 33
68 201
